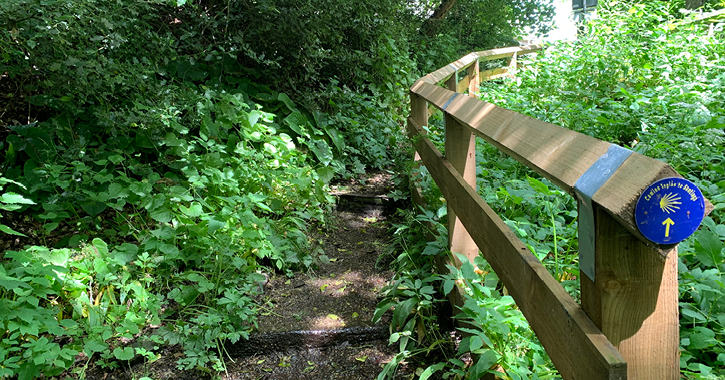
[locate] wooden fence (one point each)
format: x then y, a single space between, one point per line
627 326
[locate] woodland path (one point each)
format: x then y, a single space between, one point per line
316 325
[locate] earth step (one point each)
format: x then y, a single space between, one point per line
271 342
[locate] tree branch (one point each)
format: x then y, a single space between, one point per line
431 24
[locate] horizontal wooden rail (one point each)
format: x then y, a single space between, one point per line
575 344
444 73
557 153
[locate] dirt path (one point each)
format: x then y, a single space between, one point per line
316 325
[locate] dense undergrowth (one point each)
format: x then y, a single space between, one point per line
639 77
157 158
157 181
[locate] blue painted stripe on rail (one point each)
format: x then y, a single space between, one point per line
450 100
585 187
601 170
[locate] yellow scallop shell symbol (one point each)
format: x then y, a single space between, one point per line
669 203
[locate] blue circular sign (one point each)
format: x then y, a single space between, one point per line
669 210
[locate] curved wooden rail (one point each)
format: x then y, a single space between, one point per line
627 325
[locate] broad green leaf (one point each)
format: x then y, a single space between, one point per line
13 198
9 230
123 354
215 225
448 286
253 118
169 249
50 227
709 248
296 121
101 247
336 137
116 190
431 249
402 311
125 253
93 208
476 343
193 211
381 309
701 338
467 270
431 370
162 214
486 361
287 101
92 346
326 174
538 185
172 140
321 150
693 314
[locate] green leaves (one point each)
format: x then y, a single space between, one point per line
162 214
9 198
125 353
431 370
709 248
92 346
9 230
321 150
643 90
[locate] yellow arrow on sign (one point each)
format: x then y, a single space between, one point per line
667 223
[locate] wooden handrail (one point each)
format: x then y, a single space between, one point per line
630 312
582 351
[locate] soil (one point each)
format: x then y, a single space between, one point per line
341 293
316 325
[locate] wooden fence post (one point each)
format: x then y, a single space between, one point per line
634 300
513 62
460 151
419 113
474 82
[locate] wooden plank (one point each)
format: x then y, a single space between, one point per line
461 153
460 146
634 301
475 79
463 83
496 73
557 153
576 346
419 113
513 61
490 55
447 71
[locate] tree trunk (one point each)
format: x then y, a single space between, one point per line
431 24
